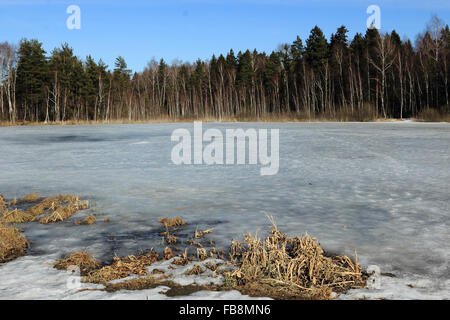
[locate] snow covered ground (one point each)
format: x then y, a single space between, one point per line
382 188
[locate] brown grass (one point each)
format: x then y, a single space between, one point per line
433 115
200 234
46 204
16 216
276 266
202 254
82 260
12 243
86 221
2 203
196 270
168 253
62 213
32 197
367 113
123 267
283 267
171 239
174 222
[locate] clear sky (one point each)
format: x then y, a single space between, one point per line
190 29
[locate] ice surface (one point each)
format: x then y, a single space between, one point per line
383 188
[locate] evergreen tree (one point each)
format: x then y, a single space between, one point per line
316 51
32 79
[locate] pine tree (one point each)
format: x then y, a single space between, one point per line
316 51
32 78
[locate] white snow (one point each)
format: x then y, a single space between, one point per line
382 188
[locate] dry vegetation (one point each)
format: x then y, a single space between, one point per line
287 268
123 267
86 221
55 209
432 115
199 234
174 222
82 260
277 266
12 243
16 216
62 213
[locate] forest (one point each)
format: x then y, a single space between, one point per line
372 76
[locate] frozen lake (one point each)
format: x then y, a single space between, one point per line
383 188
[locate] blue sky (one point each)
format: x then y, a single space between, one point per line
190 29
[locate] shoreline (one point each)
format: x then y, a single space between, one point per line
209 120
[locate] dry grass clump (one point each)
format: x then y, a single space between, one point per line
196 270
277 266
168 253
16 216
202 254
283 267
123 267
200 234
171 239
68 198
170 225
12 243
174 222
32 197
82 260
87 221
62 213
46 204
52 203
2 203
184 259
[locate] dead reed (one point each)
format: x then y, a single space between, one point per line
46 204
16 216
2 203
283 267
433 115
86 221
62 213
82 260
12 243
276 266
174 222
199 234
196 270
32 197
123 267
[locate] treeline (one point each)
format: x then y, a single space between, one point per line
370 76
